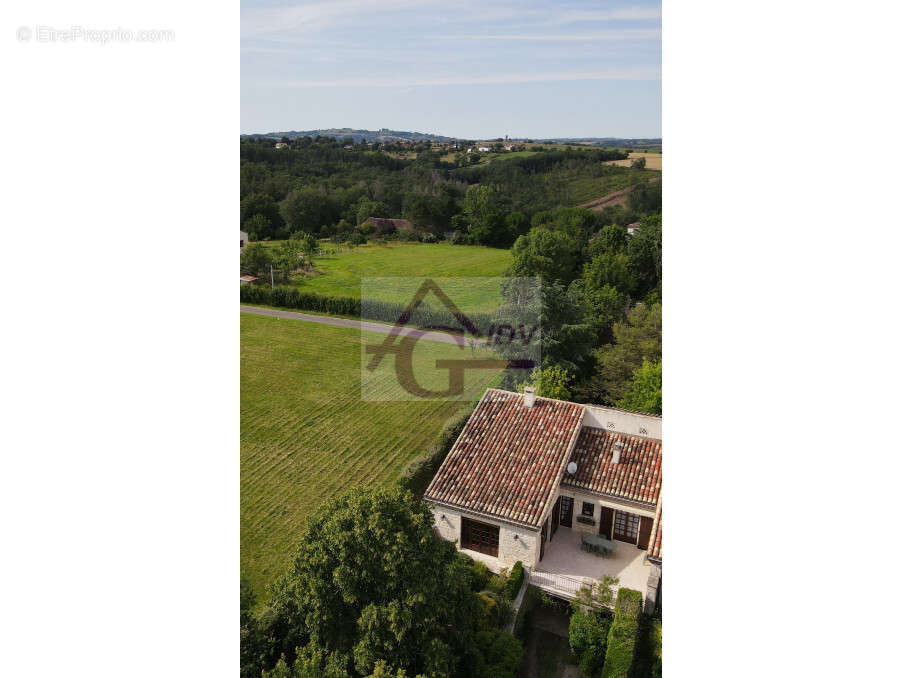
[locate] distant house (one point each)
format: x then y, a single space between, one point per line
383 225
245 279
551 484
243 240
484 149
632 228
281 144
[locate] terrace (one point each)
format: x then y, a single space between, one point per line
566 567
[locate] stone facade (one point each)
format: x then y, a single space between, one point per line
514 543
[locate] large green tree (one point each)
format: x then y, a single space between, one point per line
371 581
644 389
551 255
262 204
636 339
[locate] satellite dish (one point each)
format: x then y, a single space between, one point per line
571 468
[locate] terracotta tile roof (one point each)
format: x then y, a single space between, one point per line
637 476
654 544
508 459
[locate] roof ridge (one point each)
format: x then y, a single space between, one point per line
571 402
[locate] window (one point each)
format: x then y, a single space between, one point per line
626 527
479 537
588 509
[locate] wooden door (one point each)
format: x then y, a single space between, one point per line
555 517
605 522
567 511
626 527
644 532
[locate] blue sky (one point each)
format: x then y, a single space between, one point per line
473 69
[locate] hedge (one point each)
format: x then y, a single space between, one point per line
384 311
419 472
622 637
514 581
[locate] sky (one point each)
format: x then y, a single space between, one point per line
462 68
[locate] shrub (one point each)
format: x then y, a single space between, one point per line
500 655
514 581
622 636
480 575
460 238
589 638
585 520
428 237
487 611
497 583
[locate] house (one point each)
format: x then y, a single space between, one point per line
528 477
281 144
243 240
245 279
632 228
383 225
484 149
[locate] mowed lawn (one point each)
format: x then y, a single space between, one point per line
342 272
306 434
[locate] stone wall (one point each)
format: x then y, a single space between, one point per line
513 543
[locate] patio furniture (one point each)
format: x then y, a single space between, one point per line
597 545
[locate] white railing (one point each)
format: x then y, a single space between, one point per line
559 584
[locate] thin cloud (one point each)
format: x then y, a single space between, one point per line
509 79
608 35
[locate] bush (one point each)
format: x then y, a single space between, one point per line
428 237
589 638
622 637
500 655
514 581
479 575
585 520
487 611
460 238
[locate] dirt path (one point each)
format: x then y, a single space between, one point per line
615 198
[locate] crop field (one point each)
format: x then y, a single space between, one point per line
341 272
307 434
652 160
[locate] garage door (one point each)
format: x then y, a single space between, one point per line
479 537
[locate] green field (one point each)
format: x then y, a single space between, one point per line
584 189
306 434
341 272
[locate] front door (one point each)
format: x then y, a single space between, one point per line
626 527
605 522
567 511
555 517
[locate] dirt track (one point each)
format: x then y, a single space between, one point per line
615 198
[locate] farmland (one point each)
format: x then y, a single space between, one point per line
341 272
307 435
652 160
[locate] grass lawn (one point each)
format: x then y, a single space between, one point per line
306 434
341 272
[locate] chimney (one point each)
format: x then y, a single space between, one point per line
618 448
529 396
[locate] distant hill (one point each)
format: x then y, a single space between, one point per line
358 135
389 135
